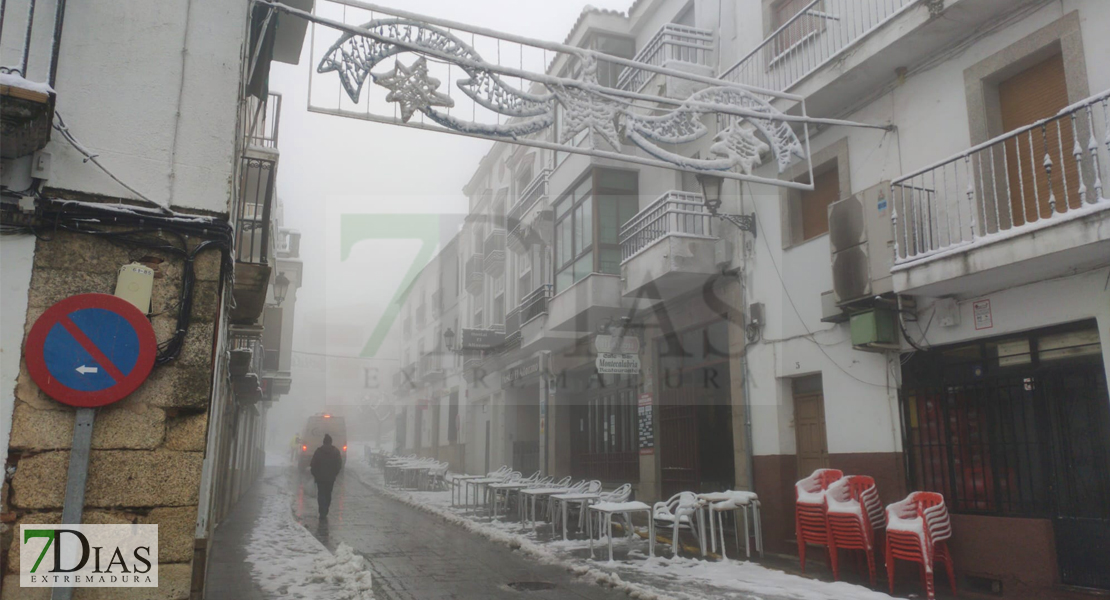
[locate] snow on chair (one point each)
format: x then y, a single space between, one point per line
917 531
855 518
810 513
678 514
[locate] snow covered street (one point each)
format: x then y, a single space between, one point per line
417 546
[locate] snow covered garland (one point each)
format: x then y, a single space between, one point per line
586 105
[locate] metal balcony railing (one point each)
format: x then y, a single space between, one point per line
810 39
262 121
512 327
672 43
674 213
474 272
495 252
535 303
431 366
249 340
253 223
1047 172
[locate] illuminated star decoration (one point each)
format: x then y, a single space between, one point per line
412 89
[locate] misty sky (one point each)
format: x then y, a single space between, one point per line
332 166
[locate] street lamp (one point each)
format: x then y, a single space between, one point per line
711 189
281 288
449 339
711 185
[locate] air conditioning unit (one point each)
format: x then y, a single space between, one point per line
862 245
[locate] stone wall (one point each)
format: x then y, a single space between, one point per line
148 449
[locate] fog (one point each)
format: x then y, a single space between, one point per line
331 167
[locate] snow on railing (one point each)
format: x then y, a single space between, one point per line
674 213
672 42
819 32
1043 173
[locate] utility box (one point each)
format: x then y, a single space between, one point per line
861 240
874 331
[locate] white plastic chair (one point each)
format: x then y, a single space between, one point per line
679 513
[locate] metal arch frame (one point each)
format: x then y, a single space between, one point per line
783 141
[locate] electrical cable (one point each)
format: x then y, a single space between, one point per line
60 125
797 312
145 228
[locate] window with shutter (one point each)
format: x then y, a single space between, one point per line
814 205
1038 92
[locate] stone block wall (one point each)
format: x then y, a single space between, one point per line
148 449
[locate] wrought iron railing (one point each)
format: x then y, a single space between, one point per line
810 39
253 225
431 365
535 303
474 271
674 213
512 327
249 340
262 121
672 43
1047 172
494 248
536 190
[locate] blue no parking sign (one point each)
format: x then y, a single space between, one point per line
91 350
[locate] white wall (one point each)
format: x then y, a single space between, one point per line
16 256
152 87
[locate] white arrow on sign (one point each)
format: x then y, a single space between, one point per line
85 370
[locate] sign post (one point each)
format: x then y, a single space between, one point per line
88 351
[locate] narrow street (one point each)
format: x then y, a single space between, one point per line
416 556
411 554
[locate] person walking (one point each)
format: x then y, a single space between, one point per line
326 463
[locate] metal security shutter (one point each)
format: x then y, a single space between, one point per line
1036 93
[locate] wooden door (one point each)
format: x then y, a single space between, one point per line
1036 93
809 431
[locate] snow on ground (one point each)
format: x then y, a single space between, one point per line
641 577
288 562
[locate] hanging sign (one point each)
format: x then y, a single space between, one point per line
481 339
617 364
90 350
644 422
628 344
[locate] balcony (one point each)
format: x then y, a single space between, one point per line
584 306
261 123
474 274
1025 206
668 248
245 364
431 367
495 252
521 233
674 47
254 239
535 333
834 52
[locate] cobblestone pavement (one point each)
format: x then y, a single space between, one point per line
416 556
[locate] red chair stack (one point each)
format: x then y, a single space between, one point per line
810 513
855 518
917 528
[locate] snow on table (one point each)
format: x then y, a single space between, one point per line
288 562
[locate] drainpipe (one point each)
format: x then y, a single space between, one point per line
59 20
747 377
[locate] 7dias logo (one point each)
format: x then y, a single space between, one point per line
88 556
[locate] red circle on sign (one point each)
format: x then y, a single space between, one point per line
36 343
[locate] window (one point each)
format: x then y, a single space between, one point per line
799 30
453 418
581 248
608 73
810 209
686 17
523 176
499 209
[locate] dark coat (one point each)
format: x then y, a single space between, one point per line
326 463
